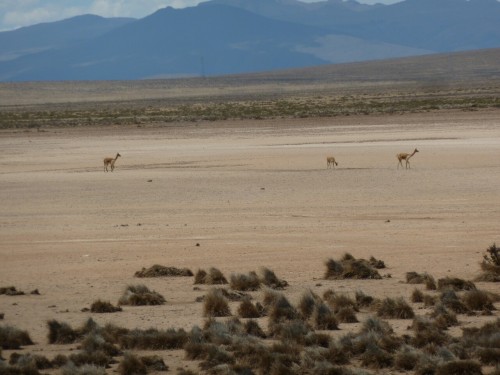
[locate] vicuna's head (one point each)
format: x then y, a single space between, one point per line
120 155
416 151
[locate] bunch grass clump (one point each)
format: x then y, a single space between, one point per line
395 308
100 306
213 277
269 279
13 338
425 278
455 283
248 310
490 265
140 295
477 300
350 268
215 304
243 282
10 291
161 271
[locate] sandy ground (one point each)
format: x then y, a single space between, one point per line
238 196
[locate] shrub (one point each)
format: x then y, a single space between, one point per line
307 302
10 291
253 328
490 265
72 369
248 310
455 284
377 263
159 271
427 333
340 301
36 361
97 358
269 279
477 300
395 309
346 315
281 309
417 296
104 307
154 339
13 338
375 357
350 268
459 367
140 295
450 299
131 365
200 276
416 278
489 356
245 282
322 317
214 276
154 363
406 359
363 300
443 318
215 304
94 342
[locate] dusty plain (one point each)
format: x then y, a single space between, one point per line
231 173
238 195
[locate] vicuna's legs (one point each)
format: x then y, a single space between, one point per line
330 162
110 162
405 156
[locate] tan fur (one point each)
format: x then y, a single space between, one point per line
405 156
110 162
330 161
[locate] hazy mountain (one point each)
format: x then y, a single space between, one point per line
46 36
237 36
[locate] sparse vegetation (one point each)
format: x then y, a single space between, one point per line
395 308
13 338
10 291
104 307
139 295
161 271
350 268
490 265
455 284
215 304
213 277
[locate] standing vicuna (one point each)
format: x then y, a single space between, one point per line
110 162
405 156
330 162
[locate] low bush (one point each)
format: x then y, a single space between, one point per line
450 300
244 282
248 310
215 304
140 295
363 300
131 364
10 291
391 308
459 367
455 284
213 277
477 300
490 265
13 338
161 271
417 296
153 339
350 268
269 279
104 307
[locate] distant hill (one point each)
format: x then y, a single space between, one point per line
53 35
221 37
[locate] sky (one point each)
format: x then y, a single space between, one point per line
19 13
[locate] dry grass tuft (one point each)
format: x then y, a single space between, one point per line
363 300
269 279
104 307
213 277
160 271
350 268
140 295
131 364
13 338
248 310
478 300
417 296
10 291
443 318
455 284
427 333
391 308
215 304
459 367
252 328
346 315
153 339
450 299
244 282
490 265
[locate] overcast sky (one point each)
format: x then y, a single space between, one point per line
18 13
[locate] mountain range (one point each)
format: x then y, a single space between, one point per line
221 37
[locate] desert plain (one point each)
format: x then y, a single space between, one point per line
238 195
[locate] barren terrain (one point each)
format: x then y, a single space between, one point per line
239 195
